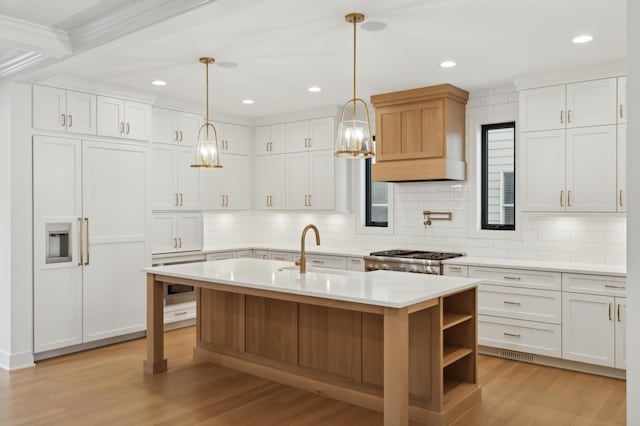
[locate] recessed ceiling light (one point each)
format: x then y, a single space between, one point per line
314 89
447 64
227 64
159 83
248 101
585 38
373 26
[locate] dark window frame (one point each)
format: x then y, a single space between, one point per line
368 221
484 216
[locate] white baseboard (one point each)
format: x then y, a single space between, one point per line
16 361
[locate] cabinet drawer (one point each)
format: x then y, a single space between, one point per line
244 253
525 336
221 256
355 264
279 255
173 315
517 277
456 270
520 303
594 284
332 262
260 254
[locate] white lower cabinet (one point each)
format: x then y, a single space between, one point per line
280 255
522 304
456 270
524 336
176 232
322 261
355 264
593 329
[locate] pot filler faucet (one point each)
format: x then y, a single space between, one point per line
303 260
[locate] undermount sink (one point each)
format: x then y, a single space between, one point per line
316 270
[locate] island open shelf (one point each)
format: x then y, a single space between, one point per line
415 362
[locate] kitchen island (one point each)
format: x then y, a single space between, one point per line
403 344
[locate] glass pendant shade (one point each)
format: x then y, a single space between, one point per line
354 132
207 154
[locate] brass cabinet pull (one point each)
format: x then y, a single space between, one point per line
222 200
128 128
455 268
86 221
306 141
610 306
64 120
561 198
177 200
309 142
179 242
81 245
180 199
619 318
267 146
619 287
121 127
267 201
180 132
561 117
511 334
271 146
180 313
176 138
620 198
306 202
569 116
317 261
508 302
568 198
310 200
175 243
512 278
70 120
621 111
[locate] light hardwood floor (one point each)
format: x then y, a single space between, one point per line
107 387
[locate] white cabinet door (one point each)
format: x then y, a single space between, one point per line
164 178
163 233
622 168
110 117
321 180
237 139
542 109
591 103
263 140
211 190
591 169
321 133
296 170
138 120
114 204
297 136
543 171
236 181
57 287
81 112
188 180
278 199
621 332
49 108
588 328
270 182
277 139
188 126
189 232
622 100
164 125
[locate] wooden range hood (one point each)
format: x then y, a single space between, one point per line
420 134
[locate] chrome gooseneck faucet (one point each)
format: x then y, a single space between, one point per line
302 262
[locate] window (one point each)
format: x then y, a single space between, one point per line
376 199
498 177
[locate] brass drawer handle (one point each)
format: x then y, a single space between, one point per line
621 111
561 198
511 334
610 306
508 302
619 319
176 138
569 116
621 198
64 120
128 128
619 287
455 268
177 314
512 278
317 261
180 132
568 198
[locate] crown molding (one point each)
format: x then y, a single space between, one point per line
564 76
23 62
29 37
130 18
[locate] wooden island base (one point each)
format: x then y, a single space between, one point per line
414 363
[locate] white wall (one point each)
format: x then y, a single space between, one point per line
598 238
633 232
5 225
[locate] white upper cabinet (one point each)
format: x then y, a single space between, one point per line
591 103
622 99
622 168
171 126
316 134
270 182
233 139
176 232
270 139
588 103
64 110
542 109
123 119
591 169
175 184
227 188
543 170
310 180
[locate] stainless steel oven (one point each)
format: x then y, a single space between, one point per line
177 293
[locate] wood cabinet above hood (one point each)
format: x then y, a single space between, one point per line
420 134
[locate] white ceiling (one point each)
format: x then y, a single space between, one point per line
284 46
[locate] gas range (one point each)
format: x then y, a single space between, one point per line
421 262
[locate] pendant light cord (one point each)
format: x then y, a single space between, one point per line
207 97
354 70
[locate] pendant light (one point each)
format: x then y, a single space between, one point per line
354 133
207 154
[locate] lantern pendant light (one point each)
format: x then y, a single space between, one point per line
207 154
354 132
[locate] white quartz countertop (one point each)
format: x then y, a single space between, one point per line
578 268
311 248
380 288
